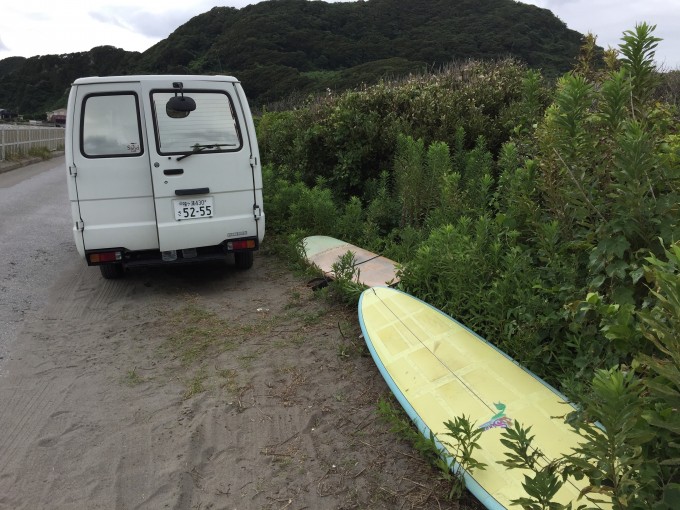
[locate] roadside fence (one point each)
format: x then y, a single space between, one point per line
17 141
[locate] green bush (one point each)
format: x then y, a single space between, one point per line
350 138
314 212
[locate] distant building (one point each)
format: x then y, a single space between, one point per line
7 114
57 117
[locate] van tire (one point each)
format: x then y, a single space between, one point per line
112 271
243 259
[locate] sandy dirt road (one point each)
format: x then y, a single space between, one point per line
196 387
35 242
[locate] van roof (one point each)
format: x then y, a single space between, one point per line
153 77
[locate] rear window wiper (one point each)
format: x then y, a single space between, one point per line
196 148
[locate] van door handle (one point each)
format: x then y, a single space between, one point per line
193 191
173 171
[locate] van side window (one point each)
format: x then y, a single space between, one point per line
110 126
212 126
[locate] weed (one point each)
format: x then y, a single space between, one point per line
298 340
612 456
313 317
198 331
460 457
544 482
453 462
346 275
195 384
344 351
401 425
351 350
248 359
230 377
295 300
40 152
132 378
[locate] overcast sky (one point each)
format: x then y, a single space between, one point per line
41 27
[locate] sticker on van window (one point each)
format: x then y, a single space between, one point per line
133 147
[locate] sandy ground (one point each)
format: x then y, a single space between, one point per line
199 387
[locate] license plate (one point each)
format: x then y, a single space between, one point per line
193 208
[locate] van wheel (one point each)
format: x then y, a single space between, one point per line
243 259
112 271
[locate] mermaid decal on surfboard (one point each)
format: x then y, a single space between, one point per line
499 420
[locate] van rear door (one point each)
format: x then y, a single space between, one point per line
110 167
202 164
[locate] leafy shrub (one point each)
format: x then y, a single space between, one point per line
474 271
314 212
295 207
383 210
660 325
279 195
350 226
420 177
350 138
612 455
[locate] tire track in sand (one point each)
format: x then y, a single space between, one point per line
39 397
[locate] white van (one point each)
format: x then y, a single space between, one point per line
162 169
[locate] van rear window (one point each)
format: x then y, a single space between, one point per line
110 126
212 126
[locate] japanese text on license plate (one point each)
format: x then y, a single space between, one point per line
192 208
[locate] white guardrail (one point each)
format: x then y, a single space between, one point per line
17 140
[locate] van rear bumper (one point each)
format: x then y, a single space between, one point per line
140 258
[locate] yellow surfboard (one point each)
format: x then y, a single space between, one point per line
438 369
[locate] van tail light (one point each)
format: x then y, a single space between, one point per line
105 256
248 244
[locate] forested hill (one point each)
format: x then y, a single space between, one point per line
278 47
